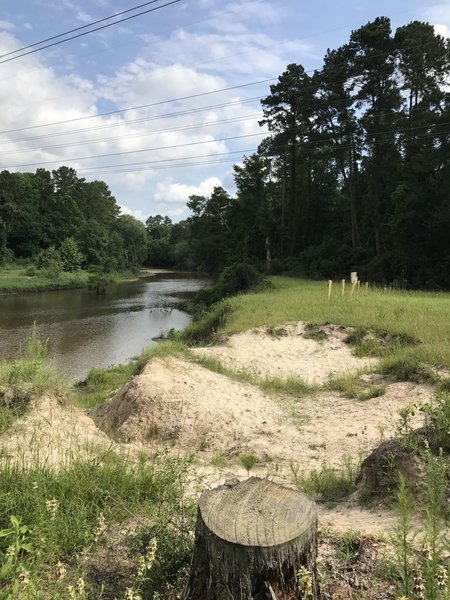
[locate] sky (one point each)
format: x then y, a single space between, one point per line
162 105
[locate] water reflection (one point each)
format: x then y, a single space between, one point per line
86 330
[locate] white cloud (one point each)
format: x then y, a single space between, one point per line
167 191
6 25
137 214
443 30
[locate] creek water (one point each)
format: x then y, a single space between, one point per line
86 330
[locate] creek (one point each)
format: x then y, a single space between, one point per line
86 330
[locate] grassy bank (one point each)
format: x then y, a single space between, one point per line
422 316
15 278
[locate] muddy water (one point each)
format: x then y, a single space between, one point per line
86 330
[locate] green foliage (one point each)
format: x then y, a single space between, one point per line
14 548
49 259
349 545
70 256
406 366
238 278
350 386
437 424
26 378
327 484
65 530
248 461
101 384
206 327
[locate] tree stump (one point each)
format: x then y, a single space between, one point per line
254 540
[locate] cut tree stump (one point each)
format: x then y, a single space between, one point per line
254 540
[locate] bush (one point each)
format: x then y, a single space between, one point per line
239 277
69 255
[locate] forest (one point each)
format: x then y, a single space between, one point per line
354 175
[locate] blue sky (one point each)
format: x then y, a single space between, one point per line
159 155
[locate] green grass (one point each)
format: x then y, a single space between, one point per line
350 386
327 484
67 517
26 378
418 315
15 278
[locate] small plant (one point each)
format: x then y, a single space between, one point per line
14 545
349 545
328 484
248 461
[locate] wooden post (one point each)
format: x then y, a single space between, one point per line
343 287
330 288
251 540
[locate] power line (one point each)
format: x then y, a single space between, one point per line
138 135
50 162
134 121
165 160
152 104
78 35
55 37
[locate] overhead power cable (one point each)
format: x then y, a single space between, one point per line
59 35
139 135
78 35
50 162
152 104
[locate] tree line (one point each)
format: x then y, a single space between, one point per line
63 222
354 174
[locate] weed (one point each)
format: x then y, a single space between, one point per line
350 386
248 461
207 326
328 484
406 366
349 545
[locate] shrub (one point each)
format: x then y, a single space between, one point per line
239 277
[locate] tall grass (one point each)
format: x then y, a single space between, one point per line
70 518
26 378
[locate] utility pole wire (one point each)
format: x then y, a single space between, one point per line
55 37
78 35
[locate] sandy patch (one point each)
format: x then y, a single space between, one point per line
288 351
182 406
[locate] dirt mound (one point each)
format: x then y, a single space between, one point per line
190 408
314 353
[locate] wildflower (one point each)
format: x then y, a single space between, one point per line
34 485
304 582
442 577
145 562
130 594
60 570
419 585
10 551
100 528
24 577
71 592
81 586
52 507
